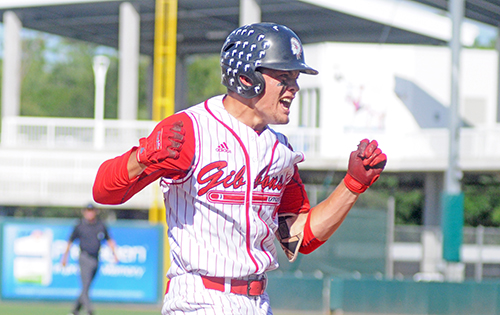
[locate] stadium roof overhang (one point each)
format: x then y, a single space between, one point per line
203 24
484 11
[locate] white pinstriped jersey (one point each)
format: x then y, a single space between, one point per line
222 216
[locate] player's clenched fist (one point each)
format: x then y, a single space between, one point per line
365 166
165 142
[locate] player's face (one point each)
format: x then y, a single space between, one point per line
280 90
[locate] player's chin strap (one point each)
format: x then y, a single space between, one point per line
289 243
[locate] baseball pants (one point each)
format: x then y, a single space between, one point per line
187 293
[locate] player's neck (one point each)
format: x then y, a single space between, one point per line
91 220
243 109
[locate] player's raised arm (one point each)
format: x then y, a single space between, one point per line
365 165
163 153
309 230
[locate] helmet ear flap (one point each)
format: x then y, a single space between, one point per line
250 84
259 81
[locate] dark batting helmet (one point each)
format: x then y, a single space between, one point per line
260 45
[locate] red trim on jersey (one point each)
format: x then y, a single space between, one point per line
249 184
112 185
272 159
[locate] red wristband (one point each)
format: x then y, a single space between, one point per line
310 242
353 185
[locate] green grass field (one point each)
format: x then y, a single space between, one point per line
53 308
49 308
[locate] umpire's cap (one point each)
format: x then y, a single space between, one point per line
90 206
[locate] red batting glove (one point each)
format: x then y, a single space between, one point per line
165 142
365 166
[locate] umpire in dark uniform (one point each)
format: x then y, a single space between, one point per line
91 232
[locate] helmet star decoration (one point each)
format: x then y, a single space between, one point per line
296 47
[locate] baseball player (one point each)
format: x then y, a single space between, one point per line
231 183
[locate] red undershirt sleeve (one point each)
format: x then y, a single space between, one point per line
294 199
112 185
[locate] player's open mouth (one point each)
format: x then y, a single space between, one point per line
286 102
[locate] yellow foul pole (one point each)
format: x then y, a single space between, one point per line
165 48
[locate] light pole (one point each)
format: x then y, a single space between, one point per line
100 66
453 197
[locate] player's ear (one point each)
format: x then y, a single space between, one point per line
245 80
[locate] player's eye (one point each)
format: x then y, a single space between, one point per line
284 77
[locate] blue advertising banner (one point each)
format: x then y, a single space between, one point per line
31 263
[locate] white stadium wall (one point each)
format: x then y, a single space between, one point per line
395 94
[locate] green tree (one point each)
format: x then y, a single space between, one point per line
490 44
144 101
58 79
408 195
204 78
482 204
62 87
